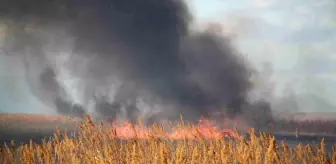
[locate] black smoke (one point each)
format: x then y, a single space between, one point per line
147 45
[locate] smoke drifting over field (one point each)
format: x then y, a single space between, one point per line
127 58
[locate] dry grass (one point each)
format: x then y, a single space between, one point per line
101 143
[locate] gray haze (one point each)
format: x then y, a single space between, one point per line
125 59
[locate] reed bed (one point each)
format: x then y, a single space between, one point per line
99 143
326 127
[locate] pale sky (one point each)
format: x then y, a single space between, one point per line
297 37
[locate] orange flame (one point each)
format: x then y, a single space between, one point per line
204 129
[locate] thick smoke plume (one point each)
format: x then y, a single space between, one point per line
129 58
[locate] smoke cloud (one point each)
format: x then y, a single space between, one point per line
128 59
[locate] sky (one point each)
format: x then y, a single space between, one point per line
297 38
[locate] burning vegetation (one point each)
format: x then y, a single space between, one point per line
102 143
129 59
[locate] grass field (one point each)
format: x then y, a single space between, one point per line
23 127
107 143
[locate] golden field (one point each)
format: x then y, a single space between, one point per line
107 143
